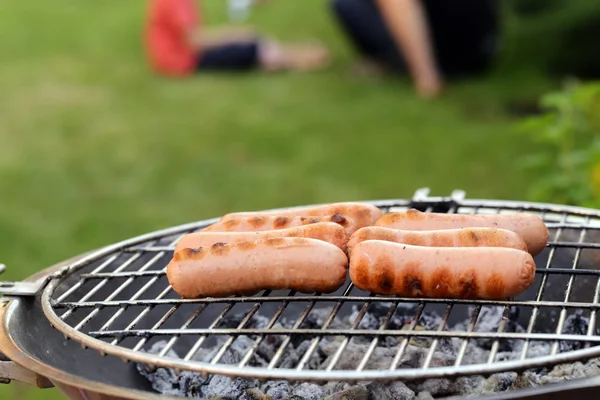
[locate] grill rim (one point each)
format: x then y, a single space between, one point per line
232 370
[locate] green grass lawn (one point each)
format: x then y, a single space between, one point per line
95 149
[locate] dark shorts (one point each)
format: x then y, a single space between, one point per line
464 33
238 56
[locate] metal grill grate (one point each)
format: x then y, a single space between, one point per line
118 301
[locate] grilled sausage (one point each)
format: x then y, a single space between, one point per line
261 223
529 226
302 264
447 272
326 231
363 214
465 237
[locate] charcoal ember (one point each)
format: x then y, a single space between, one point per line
278 390
499 382
166 381
226 388
575 324
526 380
293 355
253 394
390 391
314 320
353 353
309 391
431 321
536 349
564 372
414 357
381 309
236 353
475 354
324 313
334 387
448 387
424 396
489 320
256 322
357 392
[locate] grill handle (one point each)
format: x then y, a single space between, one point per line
10 290
11 371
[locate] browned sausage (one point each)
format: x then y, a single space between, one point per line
363 214
464 237
529 226
261 223
440 272
326 231
305 265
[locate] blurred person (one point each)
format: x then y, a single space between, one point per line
431 40
178 44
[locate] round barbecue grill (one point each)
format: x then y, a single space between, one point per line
107 321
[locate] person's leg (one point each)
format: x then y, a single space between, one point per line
263 54
362 22
465 34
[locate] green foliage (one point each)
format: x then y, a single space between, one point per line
567 146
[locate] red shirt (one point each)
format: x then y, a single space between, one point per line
166 28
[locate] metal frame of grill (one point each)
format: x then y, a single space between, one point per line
115 263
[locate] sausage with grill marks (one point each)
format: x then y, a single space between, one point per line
529 226
465 237
491 273
361 213
326 231
259 223
301 264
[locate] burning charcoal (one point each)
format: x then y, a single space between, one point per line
499 382
324 313
314 320
448 387
309 391
575 324
278 390
390 391
357 392
257 321
253 394
235 353
488 321
536 349
165 381
334 387
228 389
526 380
592 367
351 357
424 396
563 372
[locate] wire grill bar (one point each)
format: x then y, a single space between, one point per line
540 293
275 299
470 334
136 270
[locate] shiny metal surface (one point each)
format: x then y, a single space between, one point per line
118 302
34 346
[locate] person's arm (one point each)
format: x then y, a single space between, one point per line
406 22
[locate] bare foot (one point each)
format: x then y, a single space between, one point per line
308 56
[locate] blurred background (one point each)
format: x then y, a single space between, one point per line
96 148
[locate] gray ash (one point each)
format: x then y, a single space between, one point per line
192 385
